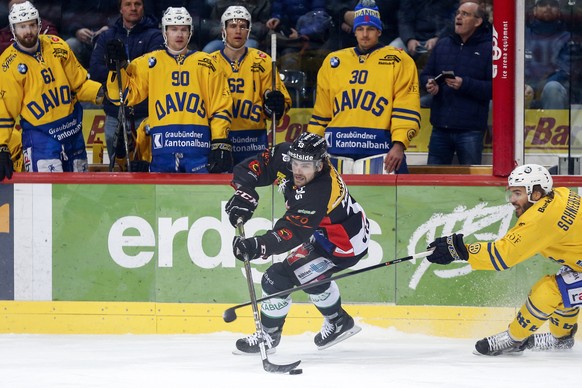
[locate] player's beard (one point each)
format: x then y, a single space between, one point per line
28 41
520 209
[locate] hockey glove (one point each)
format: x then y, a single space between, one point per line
242 205
115 55
448 249
220 156
248 248
274 103
6 166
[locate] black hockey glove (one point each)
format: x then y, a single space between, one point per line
274 103
448 249
220 156
250 248
242 205
6 166
115 54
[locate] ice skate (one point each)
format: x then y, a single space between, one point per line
540 342
250 344
336 330
499 344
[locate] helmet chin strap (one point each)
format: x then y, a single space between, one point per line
175 52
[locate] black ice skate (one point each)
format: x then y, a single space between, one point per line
498 344
546 341
336 330
250 344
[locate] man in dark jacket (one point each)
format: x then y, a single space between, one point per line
461 95
141 35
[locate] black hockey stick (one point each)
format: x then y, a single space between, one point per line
267 365
121 116
229 314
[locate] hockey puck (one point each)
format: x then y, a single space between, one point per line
296 371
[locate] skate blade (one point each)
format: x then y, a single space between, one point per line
343 336
237 352
509 354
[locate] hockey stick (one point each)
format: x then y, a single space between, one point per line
229 314
267 365
121 116
273 116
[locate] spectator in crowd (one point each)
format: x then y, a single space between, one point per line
548 225
259 11
460 104
42 83
303 30
189 103
140 34
6 38
421 22
547 57
323 227
250 77
82 23
343 16
367 96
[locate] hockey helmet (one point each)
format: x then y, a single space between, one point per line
23 12
308 147
235 12
176 16
530 175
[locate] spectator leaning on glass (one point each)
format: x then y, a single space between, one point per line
249 73
458 75
140 34
548 224
547 58
43 83
368 99
189 103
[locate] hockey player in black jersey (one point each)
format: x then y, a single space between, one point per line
328 228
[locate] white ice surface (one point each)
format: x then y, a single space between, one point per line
373 358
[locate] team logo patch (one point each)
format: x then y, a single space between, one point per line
59 53
22 68
255 167
54 39
334 62
285 234
410 134
262 54
474 248
152 62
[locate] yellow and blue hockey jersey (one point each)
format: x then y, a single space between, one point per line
43 88
552 227
189 102
248 79
364 102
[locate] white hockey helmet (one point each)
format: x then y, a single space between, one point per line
530 175
235 12
23 12
176 16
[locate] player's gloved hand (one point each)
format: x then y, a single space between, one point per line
274 103
448 249
115 54
251 248
220 156
6 166
242 205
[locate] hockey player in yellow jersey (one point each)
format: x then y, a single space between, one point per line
367 101
43 83
249 73
549 223
189 102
